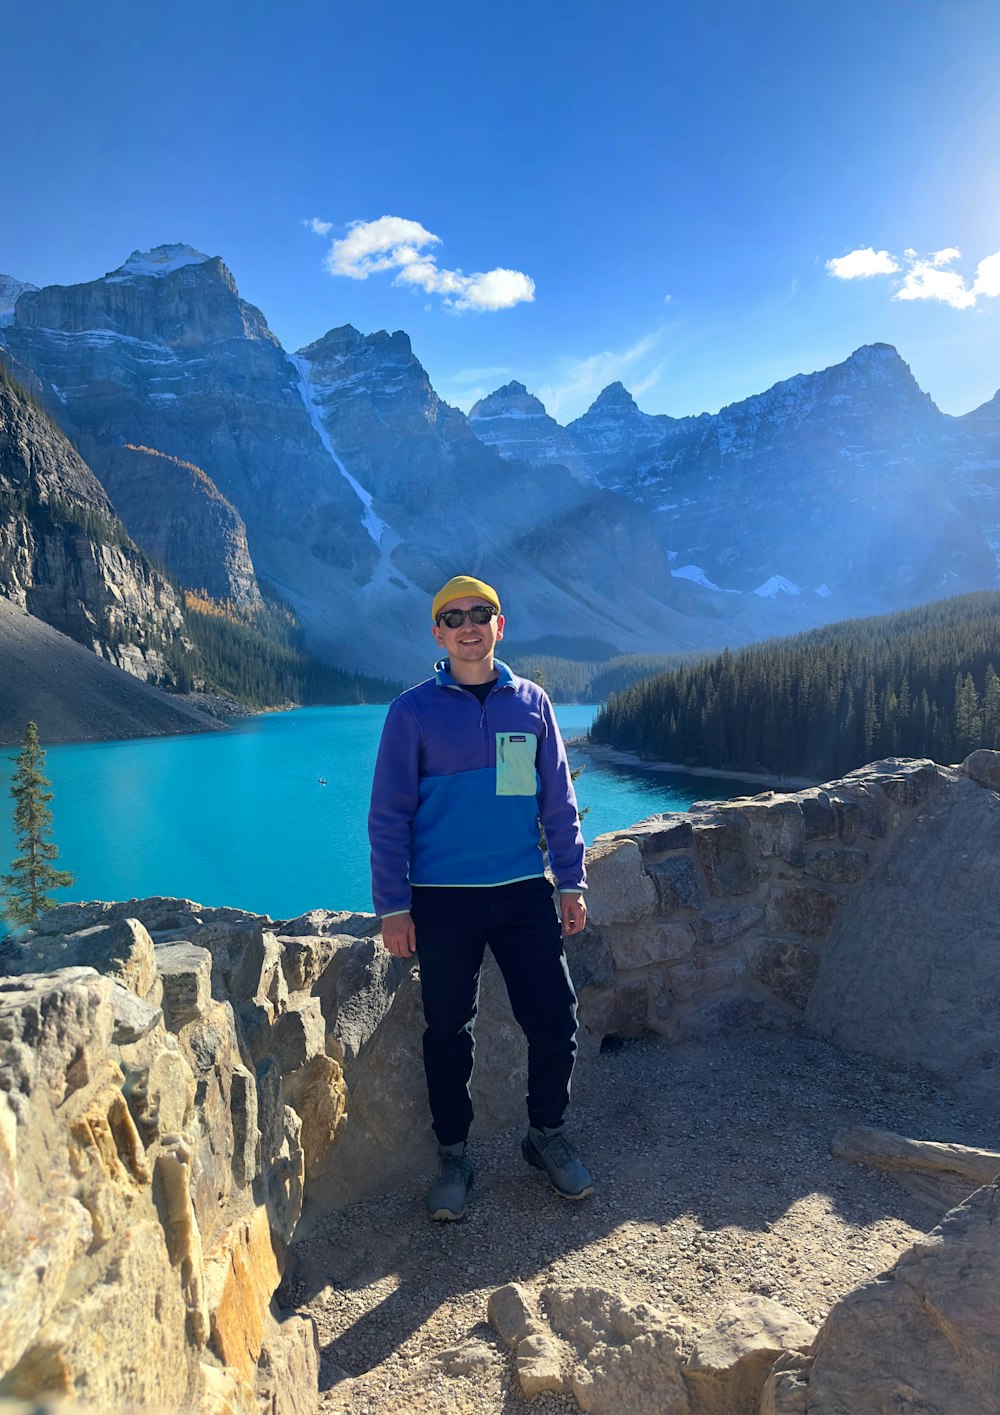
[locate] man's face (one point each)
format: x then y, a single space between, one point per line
469 643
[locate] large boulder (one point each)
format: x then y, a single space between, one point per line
909 970
626 1356
924 1336
730 1362
139 1273
120 949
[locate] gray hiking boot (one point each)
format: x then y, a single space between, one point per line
447 1196
551 1151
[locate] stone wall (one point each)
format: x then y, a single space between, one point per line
175 1080
864 908
719 917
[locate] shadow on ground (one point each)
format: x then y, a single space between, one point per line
715 1179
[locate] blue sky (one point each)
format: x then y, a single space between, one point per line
668 182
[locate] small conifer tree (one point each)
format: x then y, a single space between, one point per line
32 873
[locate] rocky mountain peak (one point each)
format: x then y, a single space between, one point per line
171 295
10 291
512 400
614 435
875 354
515 422
615 398
344 339
985 420
160 261
879 363
874 378
875 374
346 342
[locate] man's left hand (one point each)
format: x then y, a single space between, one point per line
573 908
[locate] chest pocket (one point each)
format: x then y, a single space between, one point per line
516 763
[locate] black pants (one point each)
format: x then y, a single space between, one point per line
520 925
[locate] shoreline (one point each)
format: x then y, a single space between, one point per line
622 758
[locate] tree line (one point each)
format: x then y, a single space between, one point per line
573 681
260 659
922 682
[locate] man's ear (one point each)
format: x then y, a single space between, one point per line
499 627
435 630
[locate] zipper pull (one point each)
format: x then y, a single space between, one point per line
502 740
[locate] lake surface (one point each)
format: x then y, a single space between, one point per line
240 817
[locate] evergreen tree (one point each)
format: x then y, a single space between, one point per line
32 873
991 709
922 682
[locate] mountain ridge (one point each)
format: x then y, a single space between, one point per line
833 493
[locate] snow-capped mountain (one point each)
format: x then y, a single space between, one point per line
360 490
163 353
835 493
515 422
615 438
608 444
847 483
10 292
161 260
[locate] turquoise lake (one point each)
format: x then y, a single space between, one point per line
241 817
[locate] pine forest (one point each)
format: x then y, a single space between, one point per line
919 683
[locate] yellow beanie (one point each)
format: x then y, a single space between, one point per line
459 587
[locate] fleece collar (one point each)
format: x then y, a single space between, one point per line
442 675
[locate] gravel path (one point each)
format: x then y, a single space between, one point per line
715 1180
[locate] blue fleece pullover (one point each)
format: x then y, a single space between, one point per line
460 787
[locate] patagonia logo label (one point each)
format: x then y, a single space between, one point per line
522 738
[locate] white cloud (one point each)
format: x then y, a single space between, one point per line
321 228
395 243
923 277
579 381
860 264
987 281
371 246
930 279
497 289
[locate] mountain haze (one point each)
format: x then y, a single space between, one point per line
835 493
848 483
182 520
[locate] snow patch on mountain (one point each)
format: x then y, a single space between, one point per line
160 261
522 413
698 576
10 292
775 586
98 337
373 524
824 591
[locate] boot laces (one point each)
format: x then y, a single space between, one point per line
453 1169
559 1149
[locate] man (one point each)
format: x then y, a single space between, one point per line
469 762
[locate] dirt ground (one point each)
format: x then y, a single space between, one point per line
715 1180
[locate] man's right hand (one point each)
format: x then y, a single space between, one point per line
399 935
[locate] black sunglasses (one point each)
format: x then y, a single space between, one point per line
455 618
